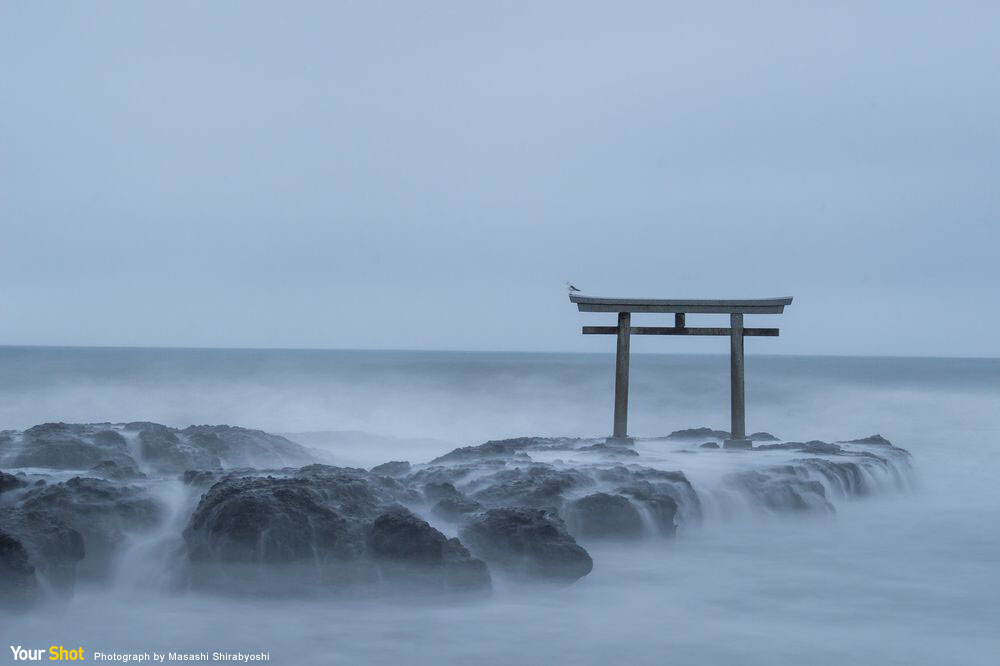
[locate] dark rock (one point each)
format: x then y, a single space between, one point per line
199 477
104 513
415 551
163 449
665 493
17 576
10 482
118 471
455 509
815 447
502 449
242 447
323 528
51 547
698 433
660 504
875 440
708 445
602 516
63 446
268 520
783 488
763 437
393 468
538 486
606 450
434 492
527 543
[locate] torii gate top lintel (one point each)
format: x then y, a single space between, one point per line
735 308
695 305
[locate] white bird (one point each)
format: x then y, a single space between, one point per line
571 287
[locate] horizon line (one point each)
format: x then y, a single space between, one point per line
477 351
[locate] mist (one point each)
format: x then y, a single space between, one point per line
901 574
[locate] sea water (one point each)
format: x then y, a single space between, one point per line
901 577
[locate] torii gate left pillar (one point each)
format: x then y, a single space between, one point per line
679 307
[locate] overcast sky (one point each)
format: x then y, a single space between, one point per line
427 175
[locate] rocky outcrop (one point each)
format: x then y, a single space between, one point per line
783 488
392 468
527 543
120 450
63 446
871 440
10 482
118 471
104 513
698 433
241 447
266 524
37 548
815 447
409 550
536 486
602 516
323 527
17 575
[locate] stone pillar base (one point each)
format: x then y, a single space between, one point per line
620 441
737 444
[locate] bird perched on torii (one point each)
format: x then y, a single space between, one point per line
571 288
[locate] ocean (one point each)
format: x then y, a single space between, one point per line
904 576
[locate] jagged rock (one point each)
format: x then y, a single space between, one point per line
668 494
51 547
782 488
763 437
409 549
698 433
614 451
708 445
527 543
815 447
392 468
660 504
199 477
435 491
326 527
454 509
501 449
118 471
875 440
242 447
17 576
104 513
10 482
602 516
63 446
163 449
538 486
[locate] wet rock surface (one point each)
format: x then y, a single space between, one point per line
254 513
133 446
529 543
101 511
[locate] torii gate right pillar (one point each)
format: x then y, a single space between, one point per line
738 428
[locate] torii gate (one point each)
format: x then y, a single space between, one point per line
735 308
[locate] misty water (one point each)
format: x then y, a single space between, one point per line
905 576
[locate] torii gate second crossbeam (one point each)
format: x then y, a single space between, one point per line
735 308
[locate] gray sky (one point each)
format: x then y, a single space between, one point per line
427 175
